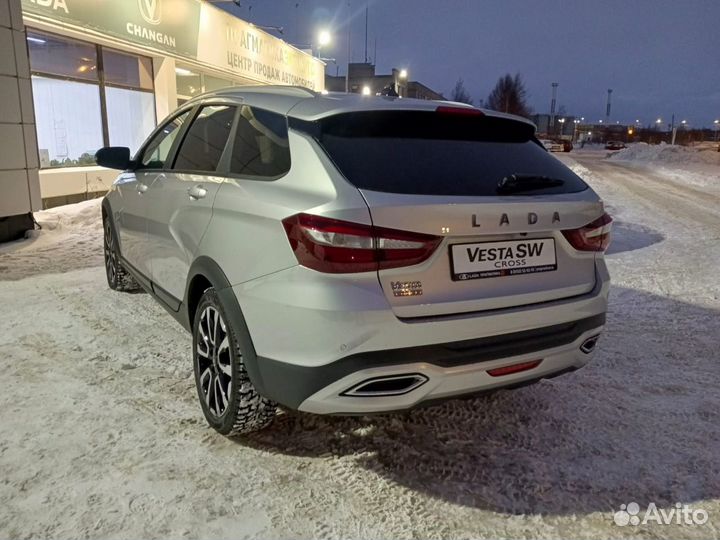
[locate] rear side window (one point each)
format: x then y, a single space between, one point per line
433 153
205 140
260 148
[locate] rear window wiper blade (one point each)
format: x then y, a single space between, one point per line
527 182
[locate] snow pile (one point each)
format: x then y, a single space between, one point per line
698 167
85 215
45 251
665 153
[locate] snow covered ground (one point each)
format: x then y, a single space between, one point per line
101 436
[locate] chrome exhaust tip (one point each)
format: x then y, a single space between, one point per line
394 385
589 344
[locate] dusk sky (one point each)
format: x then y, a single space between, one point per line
659 56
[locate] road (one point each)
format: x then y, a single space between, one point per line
101 435
678 201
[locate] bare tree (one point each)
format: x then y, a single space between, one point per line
509 96
460 94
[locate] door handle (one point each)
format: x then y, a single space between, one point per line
141 188
197 192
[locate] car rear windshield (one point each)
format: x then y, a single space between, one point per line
437 153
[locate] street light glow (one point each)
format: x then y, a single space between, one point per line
366 91
658 121
324 38
403 73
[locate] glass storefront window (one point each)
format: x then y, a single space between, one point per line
61 56
188 82
215 83
68 122
191 83
130 116
68 82
127 70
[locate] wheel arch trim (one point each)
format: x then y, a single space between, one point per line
210 270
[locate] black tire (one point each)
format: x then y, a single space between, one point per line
117 277
229 401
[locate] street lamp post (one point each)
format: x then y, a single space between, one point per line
717 129
403 75
324 38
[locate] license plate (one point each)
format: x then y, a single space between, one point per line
508 258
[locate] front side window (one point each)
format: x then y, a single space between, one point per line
157 151
205 141
260 148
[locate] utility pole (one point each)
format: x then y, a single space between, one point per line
552 106
366 29
607 109
347 73
673 130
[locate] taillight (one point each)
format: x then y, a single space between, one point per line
339 247
594 236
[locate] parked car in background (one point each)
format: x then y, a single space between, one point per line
348 254
552 146
615 145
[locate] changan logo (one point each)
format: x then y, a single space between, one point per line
150 11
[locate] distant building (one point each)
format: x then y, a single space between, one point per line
563 126
362 78
418 90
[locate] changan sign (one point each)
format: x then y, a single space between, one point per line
189 29
165 25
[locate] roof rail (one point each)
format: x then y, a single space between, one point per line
297 91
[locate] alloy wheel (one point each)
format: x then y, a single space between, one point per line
214 361
110 254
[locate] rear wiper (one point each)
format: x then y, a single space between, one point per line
526 182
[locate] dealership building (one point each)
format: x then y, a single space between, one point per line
76 75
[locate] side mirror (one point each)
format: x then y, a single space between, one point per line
114 157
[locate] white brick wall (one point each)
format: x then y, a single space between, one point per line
19 181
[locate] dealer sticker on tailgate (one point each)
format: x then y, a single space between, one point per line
509 258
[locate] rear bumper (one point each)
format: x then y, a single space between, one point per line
314 341
448 370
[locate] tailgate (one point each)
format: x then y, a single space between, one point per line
493 255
